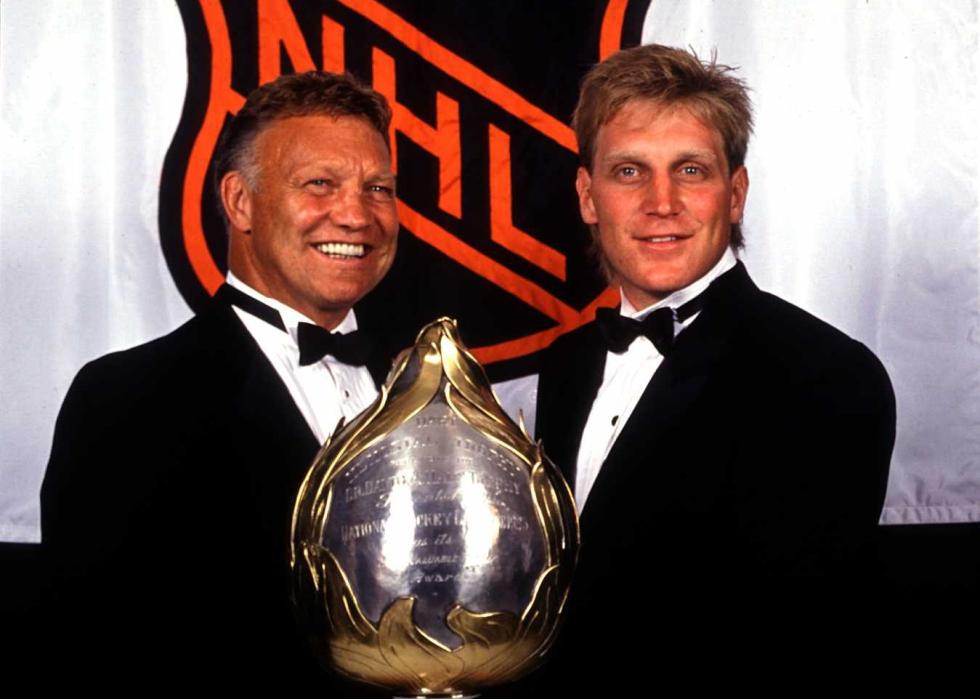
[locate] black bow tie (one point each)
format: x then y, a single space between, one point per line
314 342
619 331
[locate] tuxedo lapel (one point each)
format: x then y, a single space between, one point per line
266 413
257 396
572 384
268 444
379 364
680 380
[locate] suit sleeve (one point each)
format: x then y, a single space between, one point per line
70 509
86 499
828 459
861 413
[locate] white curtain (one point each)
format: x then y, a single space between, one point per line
91 94
864 198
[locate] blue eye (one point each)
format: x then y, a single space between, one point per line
381 191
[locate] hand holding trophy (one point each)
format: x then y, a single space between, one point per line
433 543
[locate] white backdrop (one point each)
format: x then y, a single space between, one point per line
91 93
862 208
863 201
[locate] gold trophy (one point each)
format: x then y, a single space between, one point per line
433 543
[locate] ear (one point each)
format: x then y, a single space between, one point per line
236 197
740 190
583 185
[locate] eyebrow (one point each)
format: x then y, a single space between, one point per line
620 156
332 170
697 155
693 154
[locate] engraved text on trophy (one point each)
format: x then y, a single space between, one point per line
437 511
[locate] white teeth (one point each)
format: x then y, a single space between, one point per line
662 239
341 249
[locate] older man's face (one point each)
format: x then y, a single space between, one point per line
320 224
662 198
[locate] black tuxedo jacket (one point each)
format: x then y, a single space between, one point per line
166 509
738 502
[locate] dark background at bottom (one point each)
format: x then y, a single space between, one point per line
925 620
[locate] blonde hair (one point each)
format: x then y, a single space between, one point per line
671 77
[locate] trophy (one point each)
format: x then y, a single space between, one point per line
433 543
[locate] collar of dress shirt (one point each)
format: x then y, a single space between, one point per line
681 296
291 318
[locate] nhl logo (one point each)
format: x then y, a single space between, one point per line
485 160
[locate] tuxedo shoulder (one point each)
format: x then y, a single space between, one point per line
161 365
123 401
786 335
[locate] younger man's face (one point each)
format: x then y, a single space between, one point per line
662 198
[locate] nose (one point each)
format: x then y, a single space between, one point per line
349 210
662 197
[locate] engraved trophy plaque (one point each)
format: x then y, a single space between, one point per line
433 543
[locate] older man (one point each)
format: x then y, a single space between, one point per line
167 500
728 451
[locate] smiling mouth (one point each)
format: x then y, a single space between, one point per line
342 251
661 239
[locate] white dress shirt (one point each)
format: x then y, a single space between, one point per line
324 391
625 378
